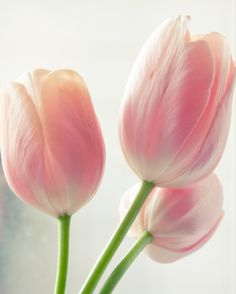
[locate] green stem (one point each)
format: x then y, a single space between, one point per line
116 239
63 253
126 262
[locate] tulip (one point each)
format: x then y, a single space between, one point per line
177 105
51 143
179 220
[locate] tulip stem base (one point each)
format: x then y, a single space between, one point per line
116 239
63 253
125 263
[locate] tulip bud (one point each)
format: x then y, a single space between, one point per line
51 143
180 220
177 107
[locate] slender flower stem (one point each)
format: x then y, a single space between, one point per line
116 239
63 253
126 262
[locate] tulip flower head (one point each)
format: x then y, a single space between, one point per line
177 105
51 143
180 220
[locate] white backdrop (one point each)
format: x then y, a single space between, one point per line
100 40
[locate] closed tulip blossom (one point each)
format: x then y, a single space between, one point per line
177 105
51 143
180 220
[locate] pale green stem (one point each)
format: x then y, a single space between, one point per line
126 262
116 239
63 253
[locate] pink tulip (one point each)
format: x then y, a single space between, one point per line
180 220
176 113
51 143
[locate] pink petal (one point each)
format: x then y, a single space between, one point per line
72 134
202 151
163 255
150 66
179 218
22 148
32 81
224 66
209 152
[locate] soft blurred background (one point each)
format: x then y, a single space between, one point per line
100 40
